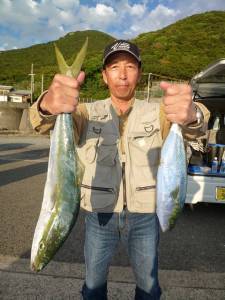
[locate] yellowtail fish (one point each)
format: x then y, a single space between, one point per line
61 201
171 179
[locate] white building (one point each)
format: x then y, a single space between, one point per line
4 92
9 94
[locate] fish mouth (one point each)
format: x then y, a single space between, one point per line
36 267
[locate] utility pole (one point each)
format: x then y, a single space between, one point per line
149 86
42 83
31 83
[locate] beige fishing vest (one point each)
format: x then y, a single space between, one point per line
102 187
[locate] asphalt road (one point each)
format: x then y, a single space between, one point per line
197 243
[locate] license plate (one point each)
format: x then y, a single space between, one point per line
220 193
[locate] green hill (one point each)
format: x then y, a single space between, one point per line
179 50
15 65
185 47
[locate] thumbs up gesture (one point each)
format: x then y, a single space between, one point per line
178 104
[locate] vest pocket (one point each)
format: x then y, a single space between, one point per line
91 150
96 197
107 151
144 188
141 150
97 188
145 197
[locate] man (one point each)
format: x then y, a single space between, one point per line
119 141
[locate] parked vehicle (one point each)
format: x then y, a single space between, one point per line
206 168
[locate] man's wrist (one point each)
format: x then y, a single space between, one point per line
199 114
42 110
44 114
199 117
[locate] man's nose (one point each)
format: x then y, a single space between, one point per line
123 73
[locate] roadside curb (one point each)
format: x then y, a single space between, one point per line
18 279
18 133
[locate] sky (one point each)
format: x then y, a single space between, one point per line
27 22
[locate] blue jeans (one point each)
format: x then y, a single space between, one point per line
139 232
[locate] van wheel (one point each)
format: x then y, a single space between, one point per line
191 206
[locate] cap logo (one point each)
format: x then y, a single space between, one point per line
121 46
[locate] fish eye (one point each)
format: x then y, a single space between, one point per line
41 246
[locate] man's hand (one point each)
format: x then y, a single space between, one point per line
178 103
62 95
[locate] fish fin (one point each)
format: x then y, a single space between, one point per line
63 67
76 66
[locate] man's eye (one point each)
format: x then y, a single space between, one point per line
114 66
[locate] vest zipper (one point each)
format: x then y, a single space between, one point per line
97 188
124 185
143 188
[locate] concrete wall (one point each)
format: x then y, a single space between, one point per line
11 114
25 124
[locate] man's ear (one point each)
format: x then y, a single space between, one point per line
104 77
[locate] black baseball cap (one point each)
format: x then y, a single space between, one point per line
121 46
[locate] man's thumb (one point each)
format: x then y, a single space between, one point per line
164 85
81 77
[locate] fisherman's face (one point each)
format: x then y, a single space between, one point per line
121 74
